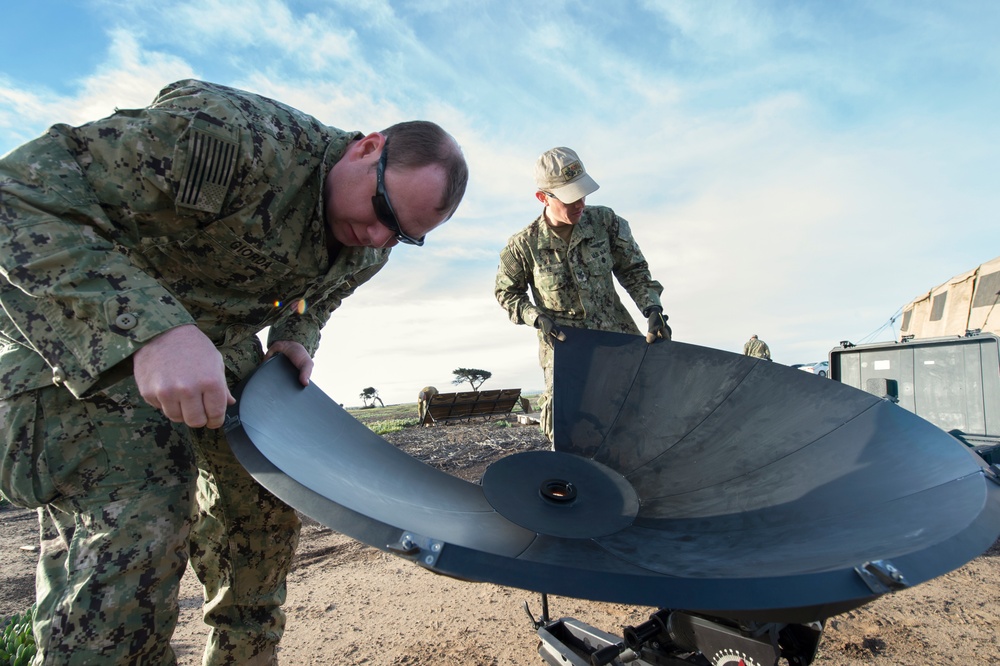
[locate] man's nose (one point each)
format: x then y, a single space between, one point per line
382 236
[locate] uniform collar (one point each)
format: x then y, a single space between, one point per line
339 141
548 238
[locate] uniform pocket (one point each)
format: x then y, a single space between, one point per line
215 255
554 286
18 481
50 449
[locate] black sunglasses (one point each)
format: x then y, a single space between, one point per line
383 209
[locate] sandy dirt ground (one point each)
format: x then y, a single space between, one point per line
352 604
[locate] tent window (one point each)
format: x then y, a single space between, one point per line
937 306
987 290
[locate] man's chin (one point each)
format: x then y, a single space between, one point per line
345 236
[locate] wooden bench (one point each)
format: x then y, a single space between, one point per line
445 407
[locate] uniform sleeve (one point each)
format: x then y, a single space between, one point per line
305 325
511 286
73 292
631 269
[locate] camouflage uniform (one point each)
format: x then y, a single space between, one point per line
757 348
424 402
573 282
205 208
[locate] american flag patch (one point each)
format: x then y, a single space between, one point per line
210 168
510 265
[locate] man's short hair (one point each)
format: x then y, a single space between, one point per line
417 143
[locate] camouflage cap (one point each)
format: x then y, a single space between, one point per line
560 172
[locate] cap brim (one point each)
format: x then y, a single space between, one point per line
578 189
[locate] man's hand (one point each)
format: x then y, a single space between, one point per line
297 354
657 321
181 373
548 328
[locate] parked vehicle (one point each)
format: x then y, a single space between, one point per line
822 368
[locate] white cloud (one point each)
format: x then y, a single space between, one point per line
268 29
398 345
128 77
23 113
793 171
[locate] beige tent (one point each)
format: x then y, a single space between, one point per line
963 303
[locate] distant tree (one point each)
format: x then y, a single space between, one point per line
474 376
370 395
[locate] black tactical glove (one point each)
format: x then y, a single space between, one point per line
657 324
549 328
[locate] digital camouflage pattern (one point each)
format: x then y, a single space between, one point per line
204 208
116 231
115 517
574 282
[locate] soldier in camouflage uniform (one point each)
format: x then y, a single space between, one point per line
569 258
424 403
757 348
141 255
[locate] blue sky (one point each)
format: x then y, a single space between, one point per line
798 170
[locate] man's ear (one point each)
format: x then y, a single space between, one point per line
540 196
367 145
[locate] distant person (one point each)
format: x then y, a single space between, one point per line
424 401
142 254
569 259
757 348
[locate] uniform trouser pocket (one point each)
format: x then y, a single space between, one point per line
50 448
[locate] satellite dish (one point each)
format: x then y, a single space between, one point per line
682 476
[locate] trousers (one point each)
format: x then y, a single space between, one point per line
546 359
125 500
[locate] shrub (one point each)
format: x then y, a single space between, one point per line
17 644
